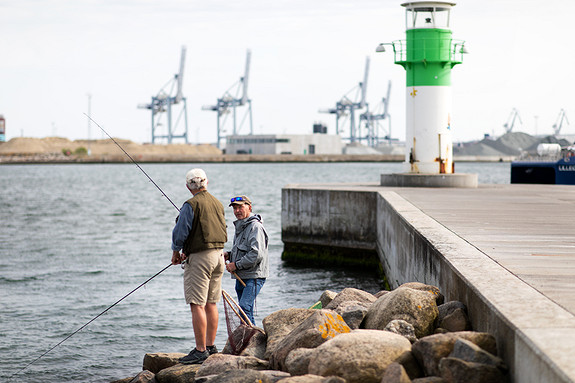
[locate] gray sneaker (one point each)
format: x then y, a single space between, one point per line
195 357
212 349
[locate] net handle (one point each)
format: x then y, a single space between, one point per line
227 298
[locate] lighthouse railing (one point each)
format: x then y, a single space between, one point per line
427 51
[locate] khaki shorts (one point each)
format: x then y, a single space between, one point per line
203 277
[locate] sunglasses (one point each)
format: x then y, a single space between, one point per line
236 199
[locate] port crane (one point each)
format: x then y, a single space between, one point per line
229 101
168 96
346 106
559 122
372 120
511 121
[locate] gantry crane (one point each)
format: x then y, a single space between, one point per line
163 102
559 122
372 120
511 121
347 105
228 101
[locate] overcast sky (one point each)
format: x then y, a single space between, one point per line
306 54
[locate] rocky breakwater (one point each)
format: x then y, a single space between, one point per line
400 336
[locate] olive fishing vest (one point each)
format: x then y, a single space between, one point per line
208 226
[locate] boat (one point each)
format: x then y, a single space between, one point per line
553 164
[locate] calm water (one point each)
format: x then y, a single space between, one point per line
76 238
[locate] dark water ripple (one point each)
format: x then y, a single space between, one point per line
77 238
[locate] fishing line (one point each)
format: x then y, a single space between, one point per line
125 296
90 321
135 163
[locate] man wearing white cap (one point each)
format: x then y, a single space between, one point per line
197 242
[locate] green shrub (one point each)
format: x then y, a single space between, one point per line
81 151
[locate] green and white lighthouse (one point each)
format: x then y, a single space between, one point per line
428 54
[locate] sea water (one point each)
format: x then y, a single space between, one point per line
75 239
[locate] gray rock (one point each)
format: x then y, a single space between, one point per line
455 370
448 307
410 364
470 352
395 373
327 297
273 375
144 377
180 373
318 328
429 288
455 321
351 294
256 345
361 356
219 363
156 362
236 376
309 378
380 293
352 313
413 306
401 327
430 349
429 379
280 323
297 361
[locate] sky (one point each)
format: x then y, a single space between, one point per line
61 58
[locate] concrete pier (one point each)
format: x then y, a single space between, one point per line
506 251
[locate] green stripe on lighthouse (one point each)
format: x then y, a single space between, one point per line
429 57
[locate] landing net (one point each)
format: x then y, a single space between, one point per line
240 329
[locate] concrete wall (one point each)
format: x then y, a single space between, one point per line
414 247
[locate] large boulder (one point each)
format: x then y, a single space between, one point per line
453 317
361 356
470 352
309 378
351 294
352 313
144 377
429 288
327 297
280 323
180 373
430 349
156 362
454 370
318 328
236 376
395 373
219 363
297 361
416 307
456 321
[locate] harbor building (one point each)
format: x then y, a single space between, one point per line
284 144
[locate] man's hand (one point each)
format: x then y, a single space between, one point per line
177 258
231 267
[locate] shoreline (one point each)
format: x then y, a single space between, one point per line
54 158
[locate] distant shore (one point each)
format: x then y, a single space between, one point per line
56 150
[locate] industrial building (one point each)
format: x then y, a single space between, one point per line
284 144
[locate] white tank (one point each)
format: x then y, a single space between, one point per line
548 149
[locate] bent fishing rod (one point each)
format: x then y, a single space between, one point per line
125 296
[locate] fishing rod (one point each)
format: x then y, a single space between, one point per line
90 321
135 163
125 296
